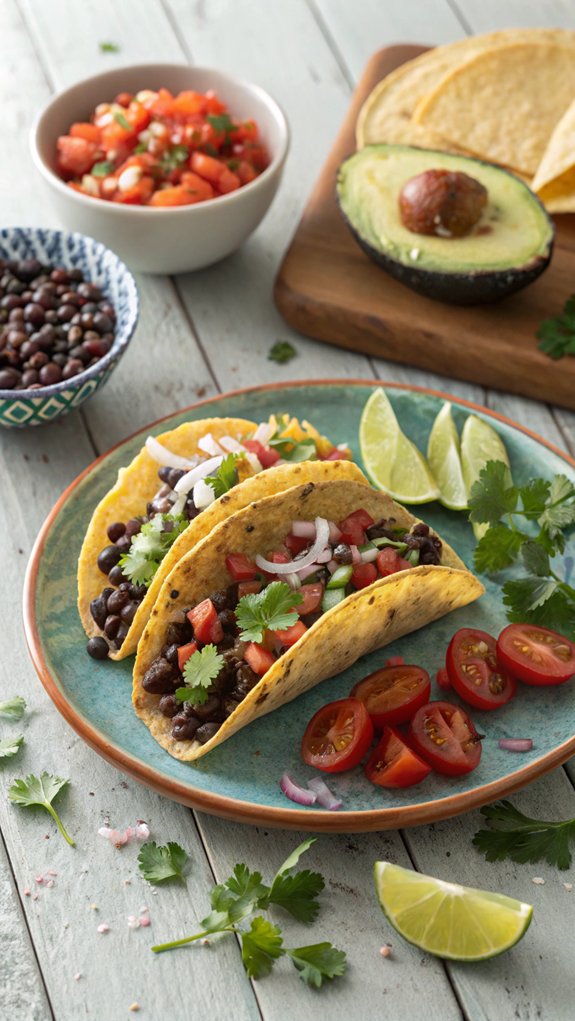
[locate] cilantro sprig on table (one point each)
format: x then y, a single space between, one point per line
548 508
557 335
199 671
272 609
14 708
160 864
226 476
40 791
282 351
517 837
149 547
243 894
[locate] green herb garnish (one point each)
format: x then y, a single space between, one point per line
221 122
517 837
272 609
557 335
40 791
542 597
226 476
107 47
290 449
262 943
159 864
282 351
102 169
10 745
121 120
199 671
14 708
149 547
174 158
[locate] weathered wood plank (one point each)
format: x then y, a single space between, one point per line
491 15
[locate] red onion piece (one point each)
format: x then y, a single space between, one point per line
293 580
516 744
293 791
332 566
306 571
334 532
303 529
325 556
325 798
356 555
322 536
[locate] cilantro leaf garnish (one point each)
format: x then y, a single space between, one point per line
121 120
226 476
515 836
243 894
199 671
491 496
221 122
282 351
102 169
159 864
107 47
557 335
288 448
149 547
10 745
497 549
40 791
174 158
14 708
268 610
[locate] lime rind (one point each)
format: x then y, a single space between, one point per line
392 461
454 922
480 443
443 457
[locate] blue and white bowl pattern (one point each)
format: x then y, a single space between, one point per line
100 266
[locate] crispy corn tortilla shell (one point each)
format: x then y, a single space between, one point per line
139 482
554 181
364 621
386 115
502 104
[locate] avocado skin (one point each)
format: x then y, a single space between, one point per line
483 287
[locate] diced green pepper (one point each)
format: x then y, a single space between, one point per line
340 577
331 598
413 557
384 541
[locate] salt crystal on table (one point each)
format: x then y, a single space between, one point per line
384 951
50 883
51 872
26 891
133 922
538 881
77 976
134 1006
103 927
568 887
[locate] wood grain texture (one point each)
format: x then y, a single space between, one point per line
327 288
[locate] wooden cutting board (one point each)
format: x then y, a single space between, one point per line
328 289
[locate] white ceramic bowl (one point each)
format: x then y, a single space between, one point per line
157 240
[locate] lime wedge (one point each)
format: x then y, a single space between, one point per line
444 460
452 921
391 460
480 444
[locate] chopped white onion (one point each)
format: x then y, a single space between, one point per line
334 532
293 791
322 536
253 461
516 744
163 456
303 529
369 554
356 555
306 571
203 495
325 556
325 798
232 446
293 580
210 446
264 433
179 503
189 480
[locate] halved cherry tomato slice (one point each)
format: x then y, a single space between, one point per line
258 658
536 655
290 635
240 567
474 672
312 596
395 764
353 527
205 622
393 694
338 736
390 562
363 575
446 738
184 653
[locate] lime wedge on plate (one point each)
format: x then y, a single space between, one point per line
445 462
393 462
448 920
480 444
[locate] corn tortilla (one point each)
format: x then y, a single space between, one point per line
554 181
365 620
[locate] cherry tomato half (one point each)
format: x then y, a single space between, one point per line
338 736
393 694
394 764
536 655
475 672
446 738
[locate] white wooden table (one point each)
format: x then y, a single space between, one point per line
199 335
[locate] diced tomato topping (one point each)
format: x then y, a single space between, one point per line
76 155
389 562
258 658
364 575
276 558
290 635
267 456
312 597
85 130
124 99
245 172
240 567
296 544
353 527
207 166
248 588
228 181
139 194
184 653
205 622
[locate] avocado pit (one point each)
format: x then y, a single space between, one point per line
445 203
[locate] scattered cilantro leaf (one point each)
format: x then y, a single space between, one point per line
221 122
316 962
282 351
558 514
271 609
159 864
526 594
102 169
515 836
199 671
534 496
107 47
557 613
121 120
557 335
261 947
535 559
297 894
497 549
10 745
293 858
226 476
491 495
149 547
174 158
14 708
40 791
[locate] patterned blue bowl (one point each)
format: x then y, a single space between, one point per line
100 266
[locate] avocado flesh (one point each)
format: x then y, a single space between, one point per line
507 249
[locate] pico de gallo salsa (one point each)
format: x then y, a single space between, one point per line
160 150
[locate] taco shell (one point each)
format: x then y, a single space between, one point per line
554 181
366 620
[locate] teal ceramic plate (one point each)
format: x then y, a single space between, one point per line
240 779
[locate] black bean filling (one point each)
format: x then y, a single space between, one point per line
419 538
53 324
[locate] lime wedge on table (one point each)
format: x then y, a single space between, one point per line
449 920
480 444
391 460
445 462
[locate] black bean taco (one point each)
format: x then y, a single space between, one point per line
288 591
180 485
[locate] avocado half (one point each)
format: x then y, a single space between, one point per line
508 248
